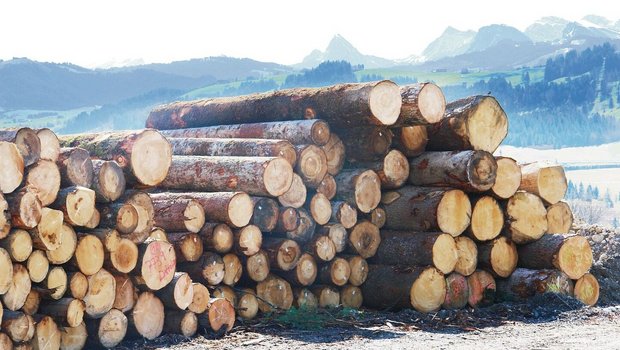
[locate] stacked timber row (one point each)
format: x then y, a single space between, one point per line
350 195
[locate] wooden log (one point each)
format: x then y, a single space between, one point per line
55 284
498 256
43 179
257 266
25 209
359 270
559 218
147 317
89 254
351 297
187 246
38 266
123 258
467 253
68 245
76 167
233 269
283 254
335 152
107 331
225 292
377 216
457 292
108 180
364 239
121 216
179 293
320 208
27 143
6 271
11 167
487 218
126 293
359 187
526 218
18 245
94 221
220 317
78 285
311 164
265 215
335 272
46 235
5 217
66 311
427 209
50 146
482 289
144 155
260 176
19 286
295 196
475 122
73 338
327 187
274 293
423 288
217 237
306 228
18 326
376 103
209 268
422 104
158 234
181 322
146 214
523 284
570 254
322 248
327 296
77 204
587 289
5 342
156 264
304 273
101 294
247 304
298 132
288 219
366 143
248 240
508 178
471 171
547 181
305 299
200 299
337 234
234 147
177 214
393 169
410 140
417 249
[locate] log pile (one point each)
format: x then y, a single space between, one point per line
352 195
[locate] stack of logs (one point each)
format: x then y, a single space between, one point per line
357 194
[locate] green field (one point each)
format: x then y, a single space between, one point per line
40 118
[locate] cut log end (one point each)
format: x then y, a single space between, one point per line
76 167
320 208
482 170
482 288
335 153
306 270
101 294
504 257
365 239
240 209
487 125
311 164
79 206
50 146
200 299
288 254
151 157
587 289
26 209
431 103
487 219
411 140
574 257
89 254
320 132
110 181
445 254
194 216
19 288
29 145
148 316
49 229
46 334
295 196
247 304
526 218
221 315
339 271
44 180
467 252
328 296
385 102
6 271
38 266
395 170
545 180
274 293
559 218
428 291
305 299
233 269
327 187
249 240
125 257
73 338
323 248
278 176
158 264
111 329
508 178
11 167
457 292
454 212
222 239
257 266
367 191
18 244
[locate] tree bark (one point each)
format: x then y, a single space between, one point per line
359 187
298 132
19 287
364 239
320 208
322 248
175 214
147 317
108 331
181 322
570 254
481 289
77 203
44 180
376 103
25 209
304 273
587 289
284 254
248 240
498 256
217 237
67 311
327 187
508 178
179 293
559 218
295 196
27 143
336 272
260 176
101 294
422 104
467 253
524 284
50 146
209 269
108 180
423 288
475 122
274 293
311 164
188 246
544 180
457 292
156 264
417 249
427 209
76 167
265 215
11 167
366 143
487 218
526 218
234 147
18 245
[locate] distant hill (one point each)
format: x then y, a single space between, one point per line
339 49
452 42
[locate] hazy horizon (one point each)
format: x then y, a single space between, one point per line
98 33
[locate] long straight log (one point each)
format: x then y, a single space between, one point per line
508 178
417 249
472 171
526 218
475 122
423 103
423 288
108 180
547 181
178 214
11 167
260 176
570 254
144 155
234 147
498 256
359 187
376 103
411 140
44 180
366 143
27 143
76 167
50 146
427 209
523 284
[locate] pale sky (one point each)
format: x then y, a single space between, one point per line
95 32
